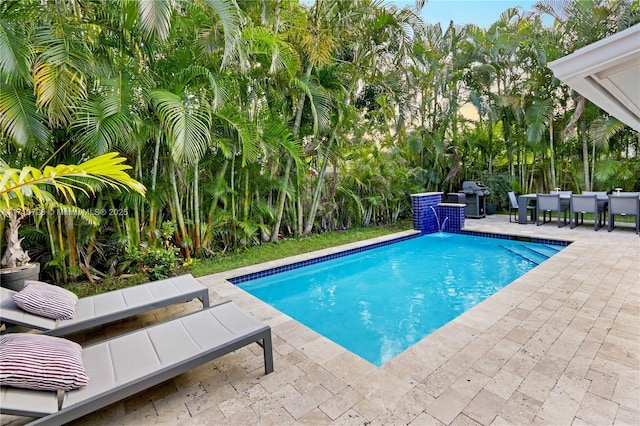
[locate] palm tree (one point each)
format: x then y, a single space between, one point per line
20 120
24 189
579 24
379 32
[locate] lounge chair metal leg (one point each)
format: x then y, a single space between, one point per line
205 299
267 349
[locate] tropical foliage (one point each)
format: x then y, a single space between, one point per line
25 192
251 121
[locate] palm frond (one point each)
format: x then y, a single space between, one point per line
277 134
245 131
606 170
100 127
229 15
105 121
20 120
320 102
538 115
315 36
602 130
186 122
192 72
282 55
58 91
13 54
18 186
155 18
62 63
554 8
71 210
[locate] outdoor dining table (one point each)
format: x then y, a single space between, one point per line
523 202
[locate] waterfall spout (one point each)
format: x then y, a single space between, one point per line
436 215
444 222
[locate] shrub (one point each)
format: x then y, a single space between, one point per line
499 185
157 262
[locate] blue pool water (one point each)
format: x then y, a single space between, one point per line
379 302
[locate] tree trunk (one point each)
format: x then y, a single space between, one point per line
114 218
71 242
299 205
247 196
196 209
61 246
154 176
219 180
182 231
287 170
593 164
282 197
455 168
52 243
276 16
553 156
233 201
139 208
94 232
318 191
585 154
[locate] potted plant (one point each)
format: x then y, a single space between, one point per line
491 206
15 267
499 187
23 190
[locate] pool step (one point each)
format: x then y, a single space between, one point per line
536 256
553 247
542 250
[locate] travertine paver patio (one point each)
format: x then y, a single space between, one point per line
559 346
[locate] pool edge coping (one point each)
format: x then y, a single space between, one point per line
319 256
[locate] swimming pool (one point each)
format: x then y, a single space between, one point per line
377 303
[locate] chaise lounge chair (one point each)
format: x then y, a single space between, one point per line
103 308
130 363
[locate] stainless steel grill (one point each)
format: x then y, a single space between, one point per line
475 193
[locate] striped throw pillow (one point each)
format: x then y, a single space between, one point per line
36 361
46 300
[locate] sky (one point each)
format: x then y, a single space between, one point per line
480 12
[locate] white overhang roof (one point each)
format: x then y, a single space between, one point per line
607 73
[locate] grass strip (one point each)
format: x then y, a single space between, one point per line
249 256
291 247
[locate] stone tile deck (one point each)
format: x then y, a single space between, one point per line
559 346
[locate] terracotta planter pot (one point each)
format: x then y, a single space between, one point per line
14 278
